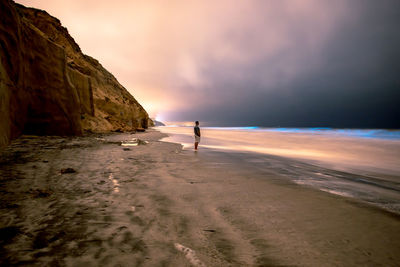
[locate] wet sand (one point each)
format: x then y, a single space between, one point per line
155 204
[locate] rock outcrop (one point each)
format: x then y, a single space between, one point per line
158 123
49 87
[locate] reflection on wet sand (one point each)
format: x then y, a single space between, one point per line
342 151
367 169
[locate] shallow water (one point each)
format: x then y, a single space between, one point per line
363 164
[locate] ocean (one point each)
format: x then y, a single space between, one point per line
355 163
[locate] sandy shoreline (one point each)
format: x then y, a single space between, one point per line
155 204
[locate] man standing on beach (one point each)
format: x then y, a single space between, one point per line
196 135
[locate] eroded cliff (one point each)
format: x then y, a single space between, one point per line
49 87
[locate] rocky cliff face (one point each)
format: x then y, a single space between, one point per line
48 86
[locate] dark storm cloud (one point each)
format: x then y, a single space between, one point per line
351 80
255 62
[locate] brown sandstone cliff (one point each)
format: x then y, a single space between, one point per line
48 86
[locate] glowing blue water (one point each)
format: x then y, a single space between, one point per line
364 133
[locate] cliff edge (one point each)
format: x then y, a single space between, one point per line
49 87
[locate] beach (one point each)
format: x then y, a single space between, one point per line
126 199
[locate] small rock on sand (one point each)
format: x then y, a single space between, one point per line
67 170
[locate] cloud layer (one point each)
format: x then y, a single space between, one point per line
271 63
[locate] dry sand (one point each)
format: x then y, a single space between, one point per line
155 204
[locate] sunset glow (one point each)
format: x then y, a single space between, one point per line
187 60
